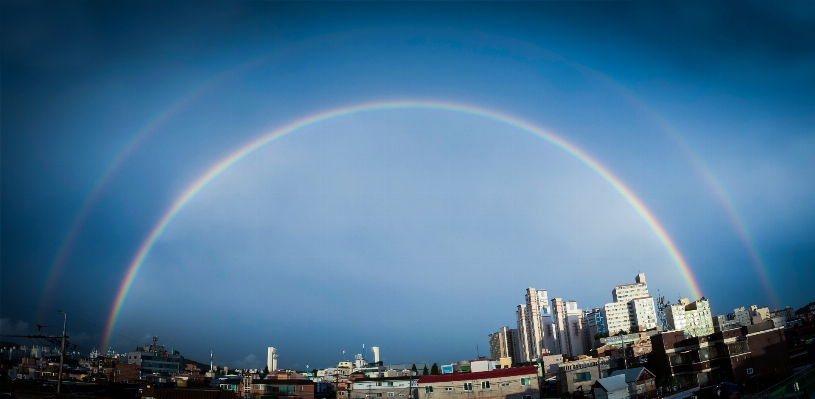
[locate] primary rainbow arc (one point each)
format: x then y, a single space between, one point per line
223 164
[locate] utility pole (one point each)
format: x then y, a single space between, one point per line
62 351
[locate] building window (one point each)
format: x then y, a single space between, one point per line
527 397
390 394
504 384
580 377
428 389
485 384
379 394
389 383
525 381
468 386
749 370
379 384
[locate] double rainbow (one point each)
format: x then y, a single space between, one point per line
196 186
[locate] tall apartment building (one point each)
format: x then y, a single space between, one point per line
594 323
633 308
504 343
694 318
568 324
536 334
523 335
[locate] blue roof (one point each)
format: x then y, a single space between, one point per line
613 383
631 375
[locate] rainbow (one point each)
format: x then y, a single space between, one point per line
226 162
146 131
715 186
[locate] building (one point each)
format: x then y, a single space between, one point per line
536 335
504 344
722 322
580 375
749 354
758 315
549 364
568 324
641 382
742 316
383 387
694 318
633 308
154 359
281 388
511 383
594 326
524 354
271 359
613 387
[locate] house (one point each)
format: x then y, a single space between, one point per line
511 383
613 387
641 382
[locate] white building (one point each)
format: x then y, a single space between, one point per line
271 359
523 335
633 308
693 318
536 334
742 316
568 324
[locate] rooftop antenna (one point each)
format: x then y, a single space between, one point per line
210 361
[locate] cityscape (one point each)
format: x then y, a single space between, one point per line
407 200
636 346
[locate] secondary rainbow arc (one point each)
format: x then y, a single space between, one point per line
191 190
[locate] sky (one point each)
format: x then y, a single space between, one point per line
413 228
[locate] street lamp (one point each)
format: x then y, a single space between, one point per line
62 351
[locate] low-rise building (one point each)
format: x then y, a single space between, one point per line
511 383
383 387
753 353
580 375
282 388
613 387
156 360
641 382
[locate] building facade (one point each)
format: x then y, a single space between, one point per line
503 344
633 308
752 353
511 383
694 318
156 360
383 387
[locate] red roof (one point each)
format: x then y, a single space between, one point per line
480 375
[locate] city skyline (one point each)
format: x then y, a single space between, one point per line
305 177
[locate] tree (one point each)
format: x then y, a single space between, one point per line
434 370
266 369
425 371
414 369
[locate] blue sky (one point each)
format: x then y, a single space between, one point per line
414 230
